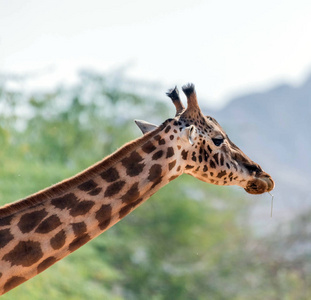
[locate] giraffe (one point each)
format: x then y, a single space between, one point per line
43 228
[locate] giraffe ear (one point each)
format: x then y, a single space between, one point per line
145 126
188 134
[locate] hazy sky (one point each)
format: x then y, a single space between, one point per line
225 47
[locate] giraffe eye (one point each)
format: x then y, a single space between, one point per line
217 141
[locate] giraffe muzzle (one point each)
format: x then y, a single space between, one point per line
261 184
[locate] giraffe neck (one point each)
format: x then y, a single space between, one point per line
44 228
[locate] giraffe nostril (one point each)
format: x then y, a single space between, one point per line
269 181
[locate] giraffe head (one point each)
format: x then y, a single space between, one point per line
205 150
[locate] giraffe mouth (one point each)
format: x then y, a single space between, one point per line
260 185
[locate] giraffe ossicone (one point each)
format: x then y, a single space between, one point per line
43 228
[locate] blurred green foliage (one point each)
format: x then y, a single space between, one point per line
189 241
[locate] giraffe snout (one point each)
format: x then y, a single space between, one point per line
261 184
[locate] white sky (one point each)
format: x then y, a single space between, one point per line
225 47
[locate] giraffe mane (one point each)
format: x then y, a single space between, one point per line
72 182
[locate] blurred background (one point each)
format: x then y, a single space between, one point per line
74 75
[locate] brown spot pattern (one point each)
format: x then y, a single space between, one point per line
173 177
25 253
205 155
81 208
58 240
155 172
157 155
127 208
6 221
168 128
170 152
5 237
103 216
171 165
194 158
189 167
114 188
95 191
29 221
78 242
49 224
110 175
212 164
13 282
133 164
66 201
87 186
184 154
132 194
46 264
159 139
221 174
79 228
148 147
162 142
156 182
216 158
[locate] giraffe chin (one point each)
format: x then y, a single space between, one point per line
260 185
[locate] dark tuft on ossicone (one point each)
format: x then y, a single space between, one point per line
173 94
188 89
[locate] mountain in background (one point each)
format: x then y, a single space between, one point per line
273 129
